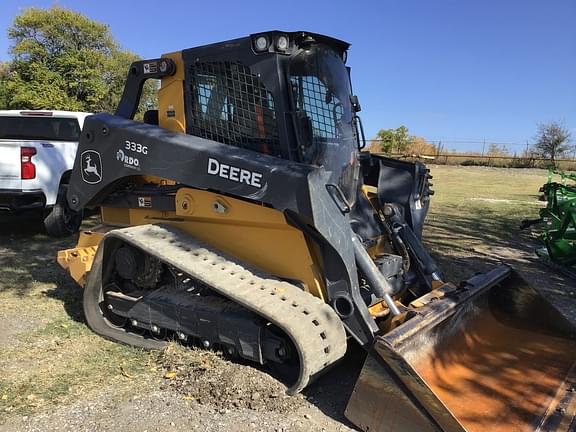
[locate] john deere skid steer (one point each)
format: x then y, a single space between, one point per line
242 216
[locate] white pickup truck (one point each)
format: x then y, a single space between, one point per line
37 151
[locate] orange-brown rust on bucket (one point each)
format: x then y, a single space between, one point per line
497 377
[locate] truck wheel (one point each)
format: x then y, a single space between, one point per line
62 221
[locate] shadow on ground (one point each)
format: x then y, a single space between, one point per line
465 244
25 224
332 390
28 260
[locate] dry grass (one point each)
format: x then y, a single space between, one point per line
501 161
49 356
476 209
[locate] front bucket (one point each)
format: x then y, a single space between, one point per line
491 356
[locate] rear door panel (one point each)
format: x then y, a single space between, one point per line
10 165
53 159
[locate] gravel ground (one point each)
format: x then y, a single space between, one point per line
167 410
207 394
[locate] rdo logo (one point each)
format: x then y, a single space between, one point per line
129 161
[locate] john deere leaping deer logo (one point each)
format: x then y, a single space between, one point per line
91 167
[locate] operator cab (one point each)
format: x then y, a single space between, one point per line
287 95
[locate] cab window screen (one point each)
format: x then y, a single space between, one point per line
230 105
321 106
39 128
321 95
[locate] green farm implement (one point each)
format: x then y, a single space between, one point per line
558 221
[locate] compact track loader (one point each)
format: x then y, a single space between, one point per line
241 215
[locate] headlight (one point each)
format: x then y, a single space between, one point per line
261 43
282 43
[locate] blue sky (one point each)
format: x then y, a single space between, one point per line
453 70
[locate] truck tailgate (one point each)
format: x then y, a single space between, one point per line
10 165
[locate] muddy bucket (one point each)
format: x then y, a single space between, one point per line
491 356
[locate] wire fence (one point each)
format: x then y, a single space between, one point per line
483 147
490 154
493 161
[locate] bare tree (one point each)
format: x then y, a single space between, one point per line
497 150
552 141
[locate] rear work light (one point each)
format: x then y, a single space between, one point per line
28 169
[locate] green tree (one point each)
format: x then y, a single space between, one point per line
394 140
3 89
61 59
552 141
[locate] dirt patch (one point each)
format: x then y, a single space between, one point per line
11 325
508 201
152 410
207 378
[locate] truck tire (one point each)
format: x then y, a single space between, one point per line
62 221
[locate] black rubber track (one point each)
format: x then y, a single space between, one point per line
314 328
